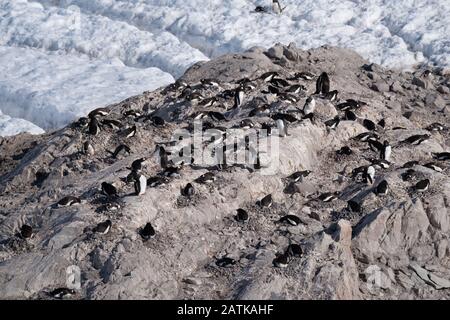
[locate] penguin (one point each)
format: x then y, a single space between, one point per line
94 127
299 175
382 123
435 127
268 76
296 88
349 104
442 156
131 113
291 219
113 124
328 196
333 123
83 122
434 167
26 232
208 177
195 97
246 124
208 102
408 174
61 293
386 150
163 157
136 165
322 84
216 116
280 83
241 215
410 164
225 262
171 172
266 201
350 115
210 82
68 201
294 250
380 163
156 181
98 112
140 185
103 227
281 261
157 121
365 136
285 116
369 175
276 7
345 150
309 106
238 97
354 206
416 139
375 145
422 185
282 128
369 124
147 232
129 132
188 191
288 98
123 148
267 127
382 188
332 95
88 149
108 189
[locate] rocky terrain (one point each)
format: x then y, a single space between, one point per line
362 245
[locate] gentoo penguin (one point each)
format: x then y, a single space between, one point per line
147 231
333 123
153 182
121 149
386 151
294 250
140 185
328 196
369 124
129 132
375 145
188 190
291 219
131 113
267 127
268 76
408 174
369 175
349 104
296 88
276 7
68 201
88 149
225 262
208 102
322 84
163 157
238 97
241 215
216 116
108 189
266 201
61 293
433 166
26 232
299 175
365 136
435 127
103 227
354 206
281 261
345 150
136 165
309 106
282 128
83 122
210 82
280 83
416 139
382 188
94 127
208 177
380 163
422 185
332 95
410 164
442 156
113 124
98 112
246 124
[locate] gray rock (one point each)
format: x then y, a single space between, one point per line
380 86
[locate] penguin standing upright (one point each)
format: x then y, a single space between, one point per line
386 151
282 128
140 185
238 96
310 105
276 7
323 84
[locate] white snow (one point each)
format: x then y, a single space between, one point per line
70 56
12 126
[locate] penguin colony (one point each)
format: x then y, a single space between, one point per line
289 89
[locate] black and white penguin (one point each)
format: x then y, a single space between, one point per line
88 149
382 188
207 177
276 7
246 124
294 250
366 136
103 227
129 132
61 293
323 84
157 121
238 97
309 106
108 189
328 196
434 167
68 201
281 261
147 231
94 127
385 153
369 175
121 149
282 128
266 201
188 191
26 232
416 139
332 95
380 163
333 123
280 83
132 113
422 185
140 185
354 206
268 76
216 116
225 262
350 115
408 175
296 88
410 164
210 82
208 102
345 150
136 165
382 123
98 112
442 156
369 124
113 124
291 219
435 127
349 104
375 145
241 215
299 175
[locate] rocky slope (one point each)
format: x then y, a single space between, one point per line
393 246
